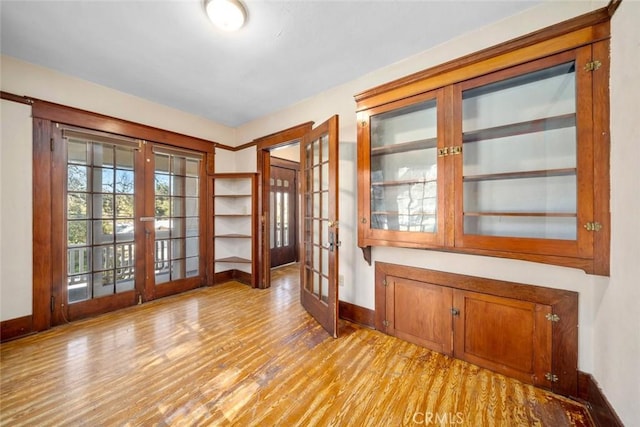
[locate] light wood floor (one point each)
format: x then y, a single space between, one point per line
231 355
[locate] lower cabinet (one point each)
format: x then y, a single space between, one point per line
503 334
522 331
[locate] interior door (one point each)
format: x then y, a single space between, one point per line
283 218
320 240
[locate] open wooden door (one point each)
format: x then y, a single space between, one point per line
320 243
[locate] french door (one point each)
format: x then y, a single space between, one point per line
125 222
320 244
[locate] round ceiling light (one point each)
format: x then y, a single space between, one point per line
228 15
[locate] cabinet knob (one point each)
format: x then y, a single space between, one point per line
363 220
455 312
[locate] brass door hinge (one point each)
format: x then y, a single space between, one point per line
449 151
384 282
552 317
51 144
593 226
53 303
593 65
386 323
551 377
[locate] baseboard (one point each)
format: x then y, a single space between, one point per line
16 328
356 314
599 407
229 275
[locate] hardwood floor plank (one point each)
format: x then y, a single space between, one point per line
232 355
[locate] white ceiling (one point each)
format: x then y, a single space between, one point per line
166 51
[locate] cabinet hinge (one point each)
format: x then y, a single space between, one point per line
449 151
53 303
552 317
385 323
593 226
593 65
51 144
384 283
551 377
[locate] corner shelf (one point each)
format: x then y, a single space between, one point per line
234 228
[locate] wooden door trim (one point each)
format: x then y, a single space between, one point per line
264 146
42 264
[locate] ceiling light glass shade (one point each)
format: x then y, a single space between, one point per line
228 15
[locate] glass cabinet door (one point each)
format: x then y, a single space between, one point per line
519 163
403 172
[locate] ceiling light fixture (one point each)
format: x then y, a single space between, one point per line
228 15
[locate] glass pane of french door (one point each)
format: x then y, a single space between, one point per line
100 219
177 216
316 240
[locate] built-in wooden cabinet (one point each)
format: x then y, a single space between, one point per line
526 332
502 153
234 227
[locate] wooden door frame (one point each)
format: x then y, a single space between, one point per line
263 151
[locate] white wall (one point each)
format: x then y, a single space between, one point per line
16 236
22 78
607 319
616 313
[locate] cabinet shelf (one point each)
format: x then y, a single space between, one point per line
403 147
403 214
523 174
233 236
403 182
234 260
524 214
231 196
521 128
233 215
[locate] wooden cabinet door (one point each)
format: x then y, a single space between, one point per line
505 335
420 313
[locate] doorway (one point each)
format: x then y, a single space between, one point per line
319 226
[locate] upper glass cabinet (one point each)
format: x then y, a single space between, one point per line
519 163
501 154
403 170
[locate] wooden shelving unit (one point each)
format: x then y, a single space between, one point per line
234 227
